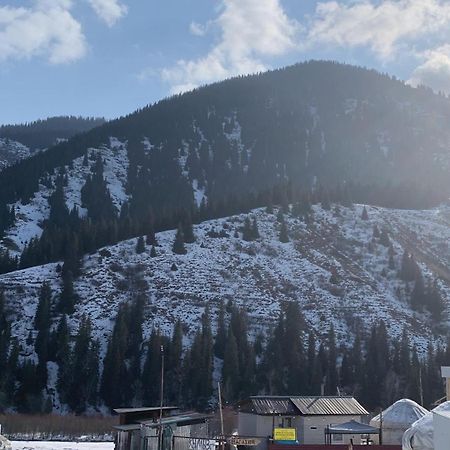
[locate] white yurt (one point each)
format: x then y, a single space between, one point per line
420 435
397 419
4 443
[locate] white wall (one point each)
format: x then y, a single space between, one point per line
441 425
312 429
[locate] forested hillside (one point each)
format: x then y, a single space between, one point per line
236 207
45 133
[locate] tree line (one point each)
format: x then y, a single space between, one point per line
288 359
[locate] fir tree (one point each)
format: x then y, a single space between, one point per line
153 253
284 235
364 215
178 245
140 245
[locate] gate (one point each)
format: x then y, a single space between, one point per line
194 443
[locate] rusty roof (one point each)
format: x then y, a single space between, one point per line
305 406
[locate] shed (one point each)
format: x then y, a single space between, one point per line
308 415
143 433
396 419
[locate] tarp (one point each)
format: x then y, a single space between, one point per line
5 444
351 427
401 415
420 435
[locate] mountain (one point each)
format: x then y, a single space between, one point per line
20 141
249 194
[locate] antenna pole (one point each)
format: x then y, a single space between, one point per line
161 399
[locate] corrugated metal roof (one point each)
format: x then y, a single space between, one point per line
180 420
328 406
273 405
143 409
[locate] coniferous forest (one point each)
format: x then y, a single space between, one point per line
289 360
284 140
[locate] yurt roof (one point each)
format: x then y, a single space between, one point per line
402 414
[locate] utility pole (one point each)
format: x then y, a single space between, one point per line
222 438
161 400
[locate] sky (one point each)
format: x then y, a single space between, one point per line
109 57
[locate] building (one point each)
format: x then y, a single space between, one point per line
396 419
441 428
259 416
138 429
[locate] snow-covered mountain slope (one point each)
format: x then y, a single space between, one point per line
12 151
259 275
30 217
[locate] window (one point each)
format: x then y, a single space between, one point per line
286 422
337 437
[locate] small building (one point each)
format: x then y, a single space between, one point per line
139 428
259 416
441 427
396 419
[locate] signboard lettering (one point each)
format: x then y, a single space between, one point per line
284 434
201 444
251 442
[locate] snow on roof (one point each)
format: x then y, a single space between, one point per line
402 414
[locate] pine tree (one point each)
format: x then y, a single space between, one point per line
384 238
140 245
284 235
230 371
221 337
364 215
247 232
188 230
418 293
68 297
178 245
42 317
255 231
153 253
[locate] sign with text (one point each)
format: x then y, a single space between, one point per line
284 434
251 442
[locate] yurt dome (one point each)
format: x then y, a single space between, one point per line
420 435
402 414
397 419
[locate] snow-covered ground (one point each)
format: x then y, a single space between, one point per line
41 445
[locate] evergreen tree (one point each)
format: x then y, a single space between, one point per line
364 215
247 232
178 245
221 335
68 297
153 253
140 245
284 236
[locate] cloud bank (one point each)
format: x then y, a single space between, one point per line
249 30
48 29
252 32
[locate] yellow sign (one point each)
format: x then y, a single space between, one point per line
284 434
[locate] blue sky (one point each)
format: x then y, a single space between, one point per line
109 57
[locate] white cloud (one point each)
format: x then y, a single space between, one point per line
384 27
48 29
250 31
435 70
197 29
110 11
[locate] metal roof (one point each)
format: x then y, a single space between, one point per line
143 409
182 419
336 406
272 405
287 405
129 427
